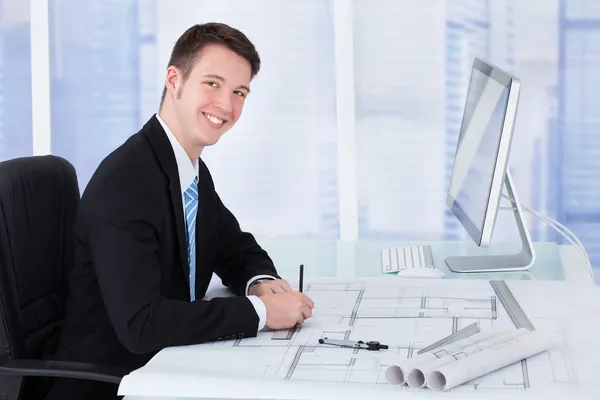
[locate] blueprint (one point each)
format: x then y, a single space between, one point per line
405 314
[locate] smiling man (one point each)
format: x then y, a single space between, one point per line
151 230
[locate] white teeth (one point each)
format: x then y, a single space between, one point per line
213 119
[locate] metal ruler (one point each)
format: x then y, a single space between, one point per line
511 305
458 335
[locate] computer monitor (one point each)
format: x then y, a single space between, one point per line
480 171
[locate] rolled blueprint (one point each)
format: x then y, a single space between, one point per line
416 377
397 374
488 360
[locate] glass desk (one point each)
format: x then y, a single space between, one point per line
330 258
363 258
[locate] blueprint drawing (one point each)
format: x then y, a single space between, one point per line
405 314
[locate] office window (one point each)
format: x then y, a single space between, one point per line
97 72
582 9
412 67
276 170
577 186
15 80
400 113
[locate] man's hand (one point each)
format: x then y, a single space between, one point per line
286 309
270 287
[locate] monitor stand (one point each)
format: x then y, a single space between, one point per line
505 262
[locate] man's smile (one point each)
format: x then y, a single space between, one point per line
214 120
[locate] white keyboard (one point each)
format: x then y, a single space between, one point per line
409 261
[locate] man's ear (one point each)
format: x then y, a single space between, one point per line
172 80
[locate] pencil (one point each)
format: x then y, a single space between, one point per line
301 283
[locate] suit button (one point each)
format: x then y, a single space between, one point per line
240 335
220 338
227 337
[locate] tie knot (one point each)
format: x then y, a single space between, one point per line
192 190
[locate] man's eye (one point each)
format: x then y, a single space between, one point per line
212 83
240 93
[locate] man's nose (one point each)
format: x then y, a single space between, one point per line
224 102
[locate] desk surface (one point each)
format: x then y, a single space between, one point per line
336 258
363 258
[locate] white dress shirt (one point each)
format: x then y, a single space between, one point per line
188 170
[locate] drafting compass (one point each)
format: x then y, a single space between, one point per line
372 345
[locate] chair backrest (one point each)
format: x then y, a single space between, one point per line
38 201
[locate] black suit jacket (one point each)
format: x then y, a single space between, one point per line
128 293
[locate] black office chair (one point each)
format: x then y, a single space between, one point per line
38 202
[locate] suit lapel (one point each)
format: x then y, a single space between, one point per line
166 157
203 274
177 207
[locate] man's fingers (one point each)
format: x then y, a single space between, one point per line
274 287
307 300
278 286
285 285
306 312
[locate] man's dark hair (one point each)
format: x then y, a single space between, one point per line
189 45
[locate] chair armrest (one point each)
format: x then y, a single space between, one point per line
63 369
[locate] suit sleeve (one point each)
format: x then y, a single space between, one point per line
122 238
239 257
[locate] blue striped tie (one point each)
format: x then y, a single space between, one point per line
191 208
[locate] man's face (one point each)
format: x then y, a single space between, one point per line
210 101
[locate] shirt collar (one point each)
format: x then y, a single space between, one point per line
188 170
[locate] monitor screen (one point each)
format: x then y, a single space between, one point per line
477 155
